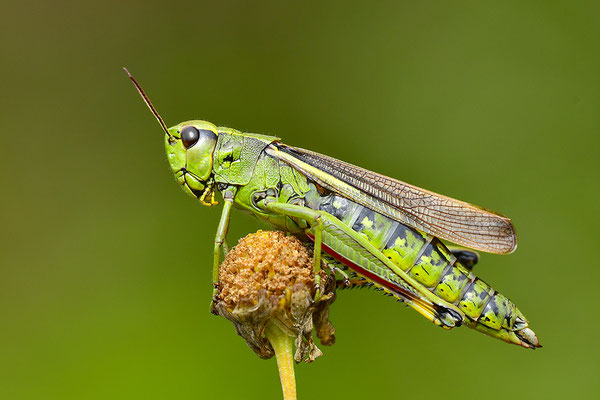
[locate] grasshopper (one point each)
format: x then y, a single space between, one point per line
388 232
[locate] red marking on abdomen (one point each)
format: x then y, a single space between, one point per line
365 272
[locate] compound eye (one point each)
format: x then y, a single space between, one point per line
189 136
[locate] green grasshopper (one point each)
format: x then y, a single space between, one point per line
386 231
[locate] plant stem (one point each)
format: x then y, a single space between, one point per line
283 346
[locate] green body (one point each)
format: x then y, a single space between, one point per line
253 174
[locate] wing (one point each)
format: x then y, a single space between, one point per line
453 220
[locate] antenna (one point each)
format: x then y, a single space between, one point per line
148 103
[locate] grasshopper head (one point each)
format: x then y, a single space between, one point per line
190 146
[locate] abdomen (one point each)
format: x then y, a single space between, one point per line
431 264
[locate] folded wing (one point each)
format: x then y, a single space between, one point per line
453 220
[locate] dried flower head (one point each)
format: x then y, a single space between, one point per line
268 278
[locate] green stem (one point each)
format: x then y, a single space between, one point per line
284 353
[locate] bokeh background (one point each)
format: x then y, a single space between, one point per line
106 263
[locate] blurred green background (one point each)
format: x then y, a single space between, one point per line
106 263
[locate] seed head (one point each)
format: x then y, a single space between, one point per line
268 276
